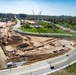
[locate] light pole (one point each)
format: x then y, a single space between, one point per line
50 64
30 73
10 70
9 65
30 68
51 67
68 60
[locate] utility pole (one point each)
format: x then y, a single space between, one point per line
67 59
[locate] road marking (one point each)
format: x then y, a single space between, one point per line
67 57
32 70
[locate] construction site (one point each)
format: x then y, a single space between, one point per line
15 47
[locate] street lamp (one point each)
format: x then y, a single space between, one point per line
51 67
68 60
30 68
9 65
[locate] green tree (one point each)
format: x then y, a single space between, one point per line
25 25
45 24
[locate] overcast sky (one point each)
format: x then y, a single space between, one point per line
49 7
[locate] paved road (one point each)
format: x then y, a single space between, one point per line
42 67
65 28
17 25
47 34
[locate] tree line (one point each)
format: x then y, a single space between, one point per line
67 21
7 16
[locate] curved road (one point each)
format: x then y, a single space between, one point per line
17 25
43 67
47 34
65 28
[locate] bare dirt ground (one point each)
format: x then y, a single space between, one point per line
48 44
34 48
2 59
37 48
9 23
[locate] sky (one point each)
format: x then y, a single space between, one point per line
48 7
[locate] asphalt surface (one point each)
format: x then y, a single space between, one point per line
65 28
42 67
47 34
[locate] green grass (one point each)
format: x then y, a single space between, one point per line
72 33
65 24
28 29
71 70
42 30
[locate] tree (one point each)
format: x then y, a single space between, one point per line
45 24
25 25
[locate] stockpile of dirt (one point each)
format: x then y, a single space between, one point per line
35 58
23 45
2 59
16 37
13 42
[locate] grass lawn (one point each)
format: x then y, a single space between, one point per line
42 30
71 70
28 29
68 25
72 33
